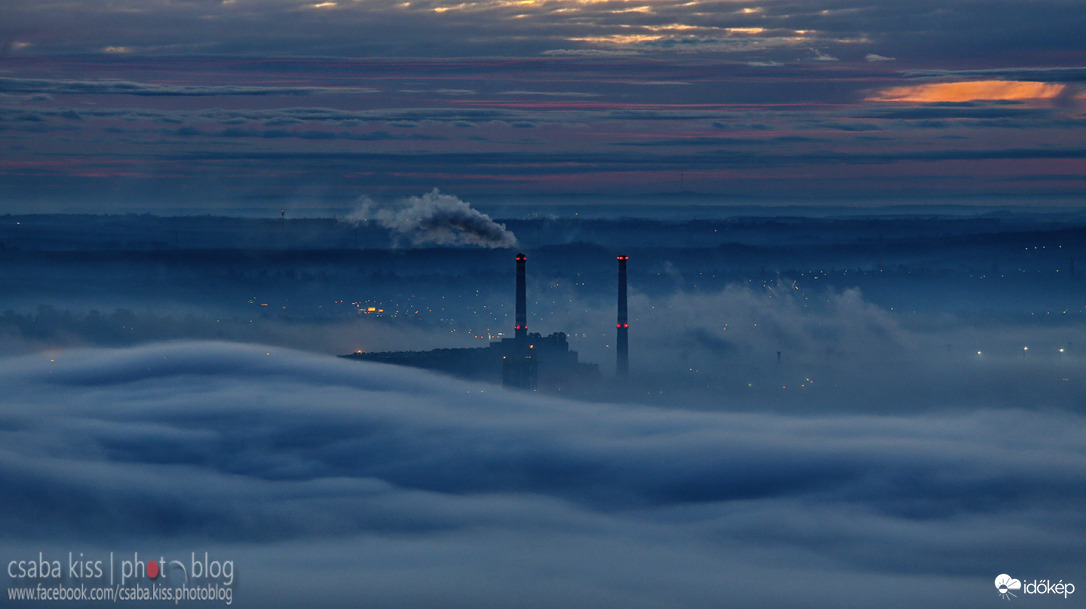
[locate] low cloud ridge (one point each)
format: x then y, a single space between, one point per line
367 470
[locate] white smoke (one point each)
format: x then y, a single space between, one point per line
435 219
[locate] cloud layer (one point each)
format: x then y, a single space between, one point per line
208 104
776 30
332 482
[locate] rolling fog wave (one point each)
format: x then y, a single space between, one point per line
335 481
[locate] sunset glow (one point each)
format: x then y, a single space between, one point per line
977 90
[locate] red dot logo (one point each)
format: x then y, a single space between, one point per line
152 569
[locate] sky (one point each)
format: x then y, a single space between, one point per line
167 105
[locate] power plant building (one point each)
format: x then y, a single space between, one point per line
525 361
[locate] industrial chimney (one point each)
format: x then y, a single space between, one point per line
622 364
519 368
522 313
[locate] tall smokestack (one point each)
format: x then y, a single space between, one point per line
519 369
522 314
622 364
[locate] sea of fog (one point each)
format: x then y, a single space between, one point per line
327 482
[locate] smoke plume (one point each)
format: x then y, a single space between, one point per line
436 219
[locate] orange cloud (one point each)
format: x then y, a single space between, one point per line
975 90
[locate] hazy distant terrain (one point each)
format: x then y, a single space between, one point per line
713 300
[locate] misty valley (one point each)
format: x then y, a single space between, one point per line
737 312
